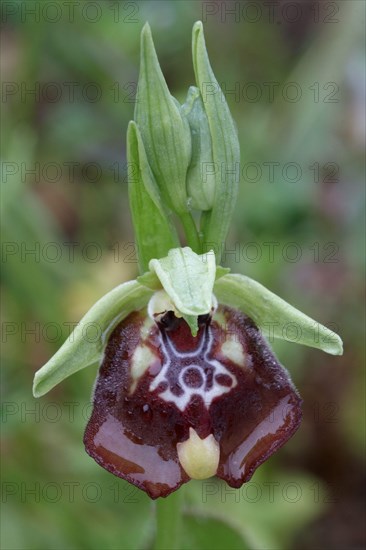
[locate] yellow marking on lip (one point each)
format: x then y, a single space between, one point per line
160 303
146 328
233 350
198 457
141 360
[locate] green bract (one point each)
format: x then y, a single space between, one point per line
149 214
225 147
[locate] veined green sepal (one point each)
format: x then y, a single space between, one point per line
81 349
188 279
275 317
152 281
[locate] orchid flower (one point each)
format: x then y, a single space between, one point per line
188 387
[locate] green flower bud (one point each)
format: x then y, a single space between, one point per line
201 179
165 132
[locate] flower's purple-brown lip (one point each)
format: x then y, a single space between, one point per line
134 435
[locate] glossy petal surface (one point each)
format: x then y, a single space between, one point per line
158 383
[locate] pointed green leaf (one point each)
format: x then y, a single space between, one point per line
275 317
85 345
225 146
155 234
188 279
201 179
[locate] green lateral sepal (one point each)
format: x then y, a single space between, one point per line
275 317
83 349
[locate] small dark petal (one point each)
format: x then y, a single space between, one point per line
204 319
155 386
168 321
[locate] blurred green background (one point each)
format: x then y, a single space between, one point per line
294 77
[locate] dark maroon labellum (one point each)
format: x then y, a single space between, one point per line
162 396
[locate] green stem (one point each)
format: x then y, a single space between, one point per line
169 522
191 233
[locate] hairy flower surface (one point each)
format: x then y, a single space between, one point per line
169 406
